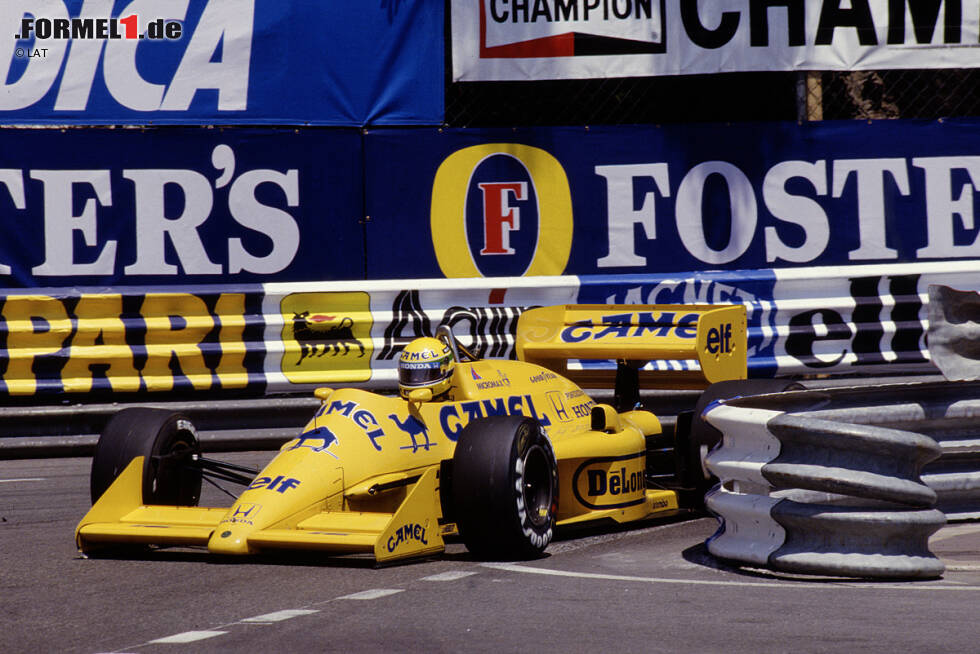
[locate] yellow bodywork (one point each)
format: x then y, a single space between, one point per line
712 338
363 476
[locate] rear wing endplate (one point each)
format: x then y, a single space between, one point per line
710 338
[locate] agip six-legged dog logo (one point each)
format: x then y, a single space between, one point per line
326 337
322 332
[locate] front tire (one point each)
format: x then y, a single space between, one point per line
505 488
167 441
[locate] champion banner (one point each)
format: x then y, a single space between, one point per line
556 39
221 61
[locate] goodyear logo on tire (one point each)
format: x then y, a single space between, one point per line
326 337
501 209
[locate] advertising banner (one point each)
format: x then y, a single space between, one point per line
101 62
252 338
568 39
248 205
269 260
179 206
835 320
651 200
867 319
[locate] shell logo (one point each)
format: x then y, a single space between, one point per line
501 210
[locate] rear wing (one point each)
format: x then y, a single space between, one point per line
634 334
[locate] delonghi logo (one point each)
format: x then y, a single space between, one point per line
516 210
611 482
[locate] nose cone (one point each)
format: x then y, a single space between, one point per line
230 539
231 534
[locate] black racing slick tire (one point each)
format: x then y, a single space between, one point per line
702 437
505 488
167 441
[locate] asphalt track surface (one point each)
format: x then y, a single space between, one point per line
652 588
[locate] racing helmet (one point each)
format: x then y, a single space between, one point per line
425 363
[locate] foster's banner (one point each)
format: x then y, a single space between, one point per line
179 206
555 39
190 206
647 199
221 61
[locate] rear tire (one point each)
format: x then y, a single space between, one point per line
702 437
505 488
167 441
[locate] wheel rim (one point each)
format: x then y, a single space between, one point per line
537 486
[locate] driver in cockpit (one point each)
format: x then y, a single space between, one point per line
426 363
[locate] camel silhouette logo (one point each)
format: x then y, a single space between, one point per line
414 428
321 434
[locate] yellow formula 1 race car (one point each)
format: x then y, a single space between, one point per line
500 452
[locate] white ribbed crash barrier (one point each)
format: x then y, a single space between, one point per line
821 539
946 412
811 484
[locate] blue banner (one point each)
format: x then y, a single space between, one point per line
179 206
654 200
185 205
221 61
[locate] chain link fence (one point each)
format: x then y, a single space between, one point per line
730 97
886 94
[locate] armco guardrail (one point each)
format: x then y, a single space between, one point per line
841 481
222 425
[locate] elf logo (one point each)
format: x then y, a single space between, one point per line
884 327
719 339
279 484
501 209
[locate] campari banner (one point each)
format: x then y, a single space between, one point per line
556 39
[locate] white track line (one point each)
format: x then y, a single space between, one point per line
11 481
449 576
374 593
187 637
279 616
511 567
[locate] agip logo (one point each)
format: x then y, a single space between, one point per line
326 337
501 210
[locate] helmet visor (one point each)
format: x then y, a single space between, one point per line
421 373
